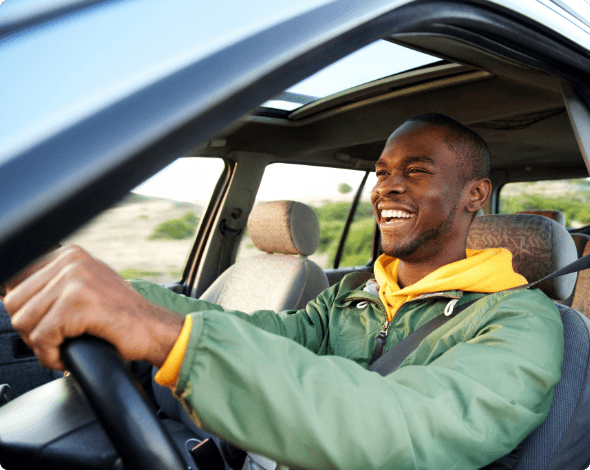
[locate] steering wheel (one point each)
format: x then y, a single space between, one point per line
120 407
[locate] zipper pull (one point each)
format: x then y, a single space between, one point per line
380 342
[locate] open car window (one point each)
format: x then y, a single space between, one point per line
570 196
330 192
149 234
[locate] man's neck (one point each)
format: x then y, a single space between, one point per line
410 272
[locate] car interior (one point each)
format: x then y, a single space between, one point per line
523 113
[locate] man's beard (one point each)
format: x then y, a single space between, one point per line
425 237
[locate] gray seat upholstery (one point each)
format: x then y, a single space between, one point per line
540 246
281 278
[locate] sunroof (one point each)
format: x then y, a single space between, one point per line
377 60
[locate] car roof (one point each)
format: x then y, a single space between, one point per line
104 94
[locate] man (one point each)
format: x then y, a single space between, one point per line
293 386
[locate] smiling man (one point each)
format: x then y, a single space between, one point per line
293 385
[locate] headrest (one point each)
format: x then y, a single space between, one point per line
558 216
539 246
285 227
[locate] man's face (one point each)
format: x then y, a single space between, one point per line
417 196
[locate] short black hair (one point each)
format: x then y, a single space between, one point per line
473 152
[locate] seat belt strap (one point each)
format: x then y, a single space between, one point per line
229 238
576 266
392 359
387 363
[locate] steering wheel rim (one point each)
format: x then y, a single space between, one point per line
120 407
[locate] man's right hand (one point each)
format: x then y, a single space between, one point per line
69 293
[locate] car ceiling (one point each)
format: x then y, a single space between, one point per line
518 110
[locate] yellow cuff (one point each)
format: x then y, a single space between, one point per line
168 373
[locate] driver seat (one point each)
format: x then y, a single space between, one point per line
539 247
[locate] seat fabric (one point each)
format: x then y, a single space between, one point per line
563 440
539 246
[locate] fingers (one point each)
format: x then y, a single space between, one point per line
54 252
72 294
25 273
36 277
38 303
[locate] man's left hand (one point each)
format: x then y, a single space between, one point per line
69 293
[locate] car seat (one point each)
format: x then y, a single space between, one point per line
580 241
558 216
539 247
281 278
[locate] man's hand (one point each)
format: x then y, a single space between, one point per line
69 293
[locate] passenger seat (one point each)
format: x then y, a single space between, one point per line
281 278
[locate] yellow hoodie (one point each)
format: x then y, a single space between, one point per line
482 271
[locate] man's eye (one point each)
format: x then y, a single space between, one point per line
416 170
381 173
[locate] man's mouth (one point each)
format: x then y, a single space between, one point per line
395 215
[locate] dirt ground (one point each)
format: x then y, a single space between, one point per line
119 237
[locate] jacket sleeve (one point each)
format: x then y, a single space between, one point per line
460 410
307 327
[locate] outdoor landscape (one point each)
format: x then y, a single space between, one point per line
572 197
150 238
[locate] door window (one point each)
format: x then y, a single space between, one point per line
572 197
149 234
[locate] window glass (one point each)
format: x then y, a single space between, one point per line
330 192
359 242
572 197
149 234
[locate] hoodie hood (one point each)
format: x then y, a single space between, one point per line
487 271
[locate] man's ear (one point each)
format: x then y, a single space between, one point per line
478 193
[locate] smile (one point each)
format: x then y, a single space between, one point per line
393 215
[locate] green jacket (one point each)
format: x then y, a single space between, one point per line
466 396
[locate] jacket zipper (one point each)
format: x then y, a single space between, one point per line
382 335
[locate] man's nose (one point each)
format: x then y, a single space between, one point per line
393 184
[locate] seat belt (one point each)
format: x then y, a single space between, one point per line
387 363
229 238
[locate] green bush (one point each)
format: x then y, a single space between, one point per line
176 229
357 249
138 273
573 206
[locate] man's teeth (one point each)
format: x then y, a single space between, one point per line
395 214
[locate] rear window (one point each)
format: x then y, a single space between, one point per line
571 196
